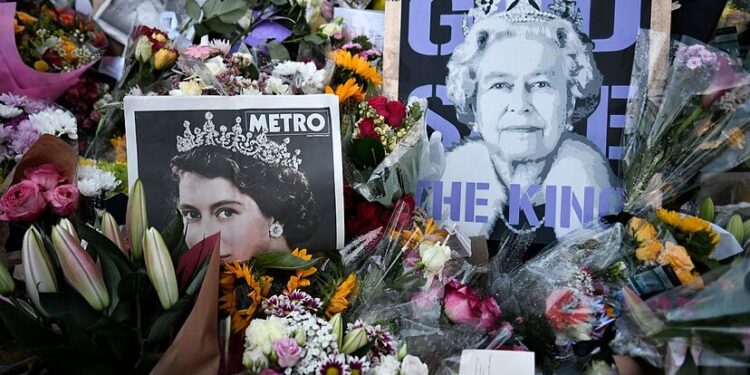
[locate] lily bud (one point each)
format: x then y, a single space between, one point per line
736 228
39 276
300 336
160 268
7 285
143 49
355 339
68 226
254 361
707 211
337 326
402 352
79 269
111 230
164 58
136 220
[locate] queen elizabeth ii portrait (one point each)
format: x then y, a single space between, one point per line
521 79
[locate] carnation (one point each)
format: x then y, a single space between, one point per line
93 182
55 121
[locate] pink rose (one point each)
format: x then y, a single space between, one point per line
63 199
425 299
22 202
367 129
396 113
491 314
47 176
380 104
288 352
461 304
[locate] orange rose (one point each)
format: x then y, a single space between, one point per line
677 257
649 251
26 18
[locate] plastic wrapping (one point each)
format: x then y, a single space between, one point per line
398 173
671 135
18 78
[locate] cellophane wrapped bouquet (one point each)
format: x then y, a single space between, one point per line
416 281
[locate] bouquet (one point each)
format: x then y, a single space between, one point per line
671 135
569 300
413 279
46 39
92 303
23 120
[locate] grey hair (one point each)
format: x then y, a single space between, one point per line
584 79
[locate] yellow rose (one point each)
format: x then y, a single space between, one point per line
642 230
648 251
164 58
677 257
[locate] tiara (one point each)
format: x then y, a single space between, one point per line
258 147
522 11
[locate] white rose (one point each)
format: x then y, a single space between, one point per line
216 65
263 332
388 366
187 88
434 257
143 49
411 365
329 29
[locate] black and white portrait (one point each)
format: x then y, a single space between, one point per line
264 173
520 79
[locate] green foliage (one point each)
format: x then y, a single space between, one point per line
281 260
367 153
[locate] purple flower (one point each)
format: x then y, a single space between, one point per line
707 56
269 371
333 365
298 301
694 63
358 365
288 352
24 137
382 341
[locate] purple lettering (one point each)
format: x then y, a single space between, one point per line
610 201
569 200
550 206
518 202
454 200
435 121
472 201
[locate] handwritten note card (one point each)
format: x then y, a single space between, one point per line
496 362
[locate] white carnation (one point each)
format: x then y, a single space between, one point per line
216 65
286 68
412 365
276 86
55 121
388 366
263 332
187 88
93 182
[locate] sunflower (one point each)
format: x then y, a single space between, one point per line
299 280
686 223
347 90
357 65
241 293
339 302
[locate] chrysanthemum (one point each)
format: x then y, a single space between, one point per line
357 65
358 365
347 90
334 365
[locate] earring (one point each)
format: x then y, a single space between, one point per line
275 230
569 128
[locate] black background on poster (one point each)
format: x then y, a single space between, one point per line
156 138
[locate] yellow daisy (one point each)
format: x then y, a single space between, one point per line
339 302
347 90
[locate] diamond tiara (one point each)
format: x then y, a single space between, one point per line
522 11
256 146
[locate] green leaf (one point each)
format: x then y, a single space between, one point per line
130 284
315 39
112 279
216 25
70 308
201 29
278 52
193 10
102 246
367 152
24 328
280 2
173 233
282 260
195 284
215 8
167 325
233 16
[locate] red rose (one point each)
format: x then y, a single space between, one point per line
100 40
22 202
380 104
47 176
63 199
396 113
66 16
367 129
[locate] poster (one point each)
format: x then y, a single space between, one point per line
529 99
265 171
